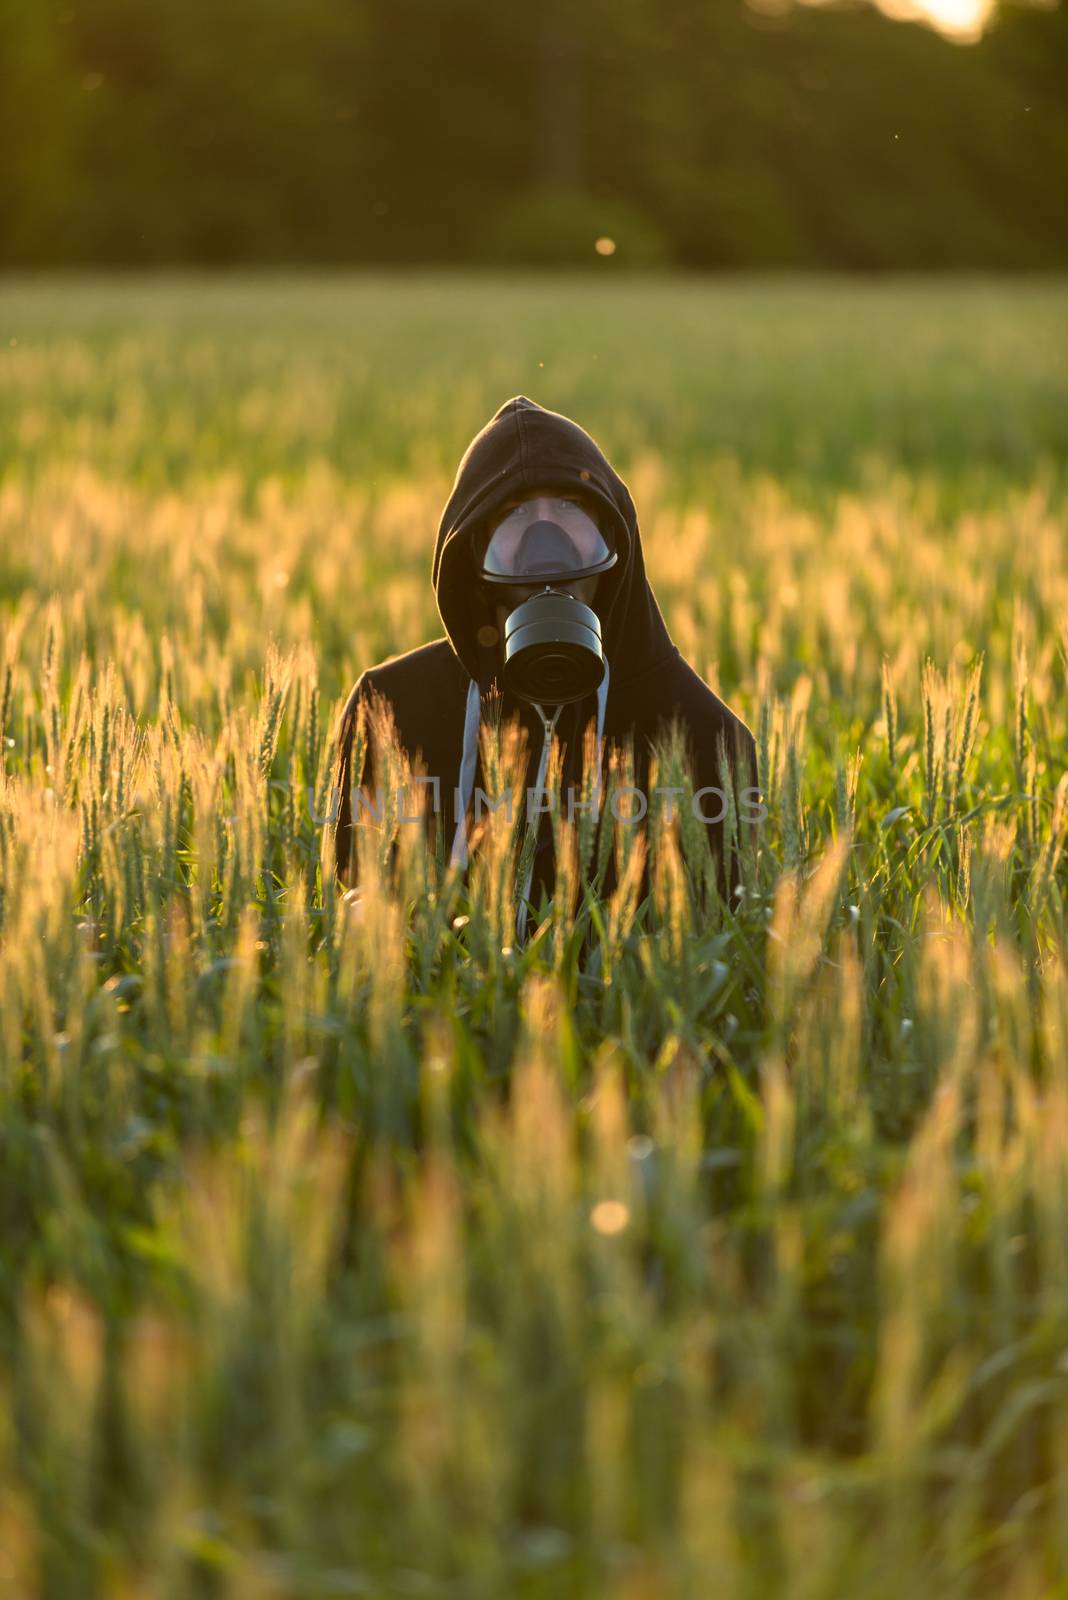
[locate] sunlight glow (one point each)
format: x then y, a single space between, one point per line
964 20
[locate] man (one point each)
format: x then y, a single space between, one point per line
541 588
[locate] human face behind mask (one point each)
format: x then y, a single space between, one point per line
548 529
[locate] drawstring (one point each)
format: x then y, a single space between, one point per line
466 785
539 787
602 696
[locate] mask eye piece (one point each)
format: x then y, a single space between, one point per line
545 539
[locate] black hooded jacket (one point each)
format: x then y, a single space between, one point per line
428 689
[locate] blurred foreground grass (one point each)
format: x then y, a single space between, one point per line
365 1255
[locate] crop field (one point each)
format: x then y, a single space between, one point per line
354 1251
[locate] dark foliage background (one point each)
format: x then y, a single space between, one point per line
447 131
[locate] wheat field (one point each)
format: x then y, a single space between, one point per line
351 1251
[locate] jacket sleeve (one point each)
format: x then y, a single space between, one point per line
353 731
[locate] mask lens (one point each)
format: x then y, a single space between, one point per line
547 537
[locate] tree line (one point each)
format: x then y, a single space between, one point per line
703 135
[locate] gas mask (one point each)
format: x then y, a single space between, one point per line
537 559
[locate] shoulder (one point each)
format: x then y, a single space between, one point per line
709 718
433 662
414 691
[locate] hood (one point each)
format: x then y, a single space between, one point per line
522 445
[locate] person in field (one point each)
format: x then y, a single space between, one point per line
549 618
